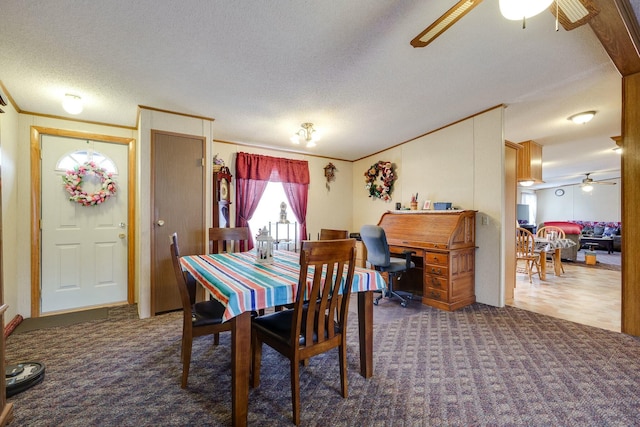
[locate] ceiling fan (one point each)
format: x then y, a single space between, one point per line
588 182
569 13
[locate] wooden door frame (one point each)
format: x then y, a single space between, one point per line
36 206
152 192
510 199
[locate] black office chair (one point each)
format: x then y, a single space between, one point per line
379 257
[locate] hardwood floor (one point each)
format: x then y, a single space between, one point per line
583 295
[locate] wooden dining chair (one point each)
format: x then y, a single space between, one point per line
198 318
552 230
296 334
525 251
328 234
228 239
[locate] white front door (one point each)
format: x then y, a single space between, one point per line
84 248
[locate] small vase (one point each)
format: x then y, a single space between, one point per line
414 206
217 168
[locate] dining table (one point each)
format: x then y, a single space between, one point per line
544 245
244 285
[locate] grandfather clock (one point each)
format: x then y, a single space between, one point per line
221 195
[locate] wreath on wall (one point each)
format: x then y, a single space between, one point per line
73 184
387 176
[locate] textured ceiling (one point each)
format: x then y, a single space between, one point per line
262 68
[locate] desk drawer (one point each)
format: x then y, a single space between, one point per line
436 294
436 282
438 270
436 258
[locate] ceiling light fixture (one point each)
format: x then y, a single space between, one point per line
72 104
588 188
307 134
582 118
515 10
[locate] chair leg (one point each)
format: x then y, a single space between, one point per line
256 350
216 338
344 387
295 390
186 359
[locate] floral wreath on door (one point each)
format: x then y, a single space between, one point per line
73 184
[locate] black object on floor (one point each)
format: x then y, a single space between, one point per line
22 376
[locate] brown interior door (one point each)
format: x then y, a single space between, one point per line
177 205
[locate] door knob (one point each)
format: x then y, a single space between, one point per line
122 235
160 223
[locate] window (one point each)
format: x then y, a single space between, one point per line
268 211
530 199
71 160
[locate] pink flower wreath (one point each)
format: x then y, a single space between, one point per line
73 184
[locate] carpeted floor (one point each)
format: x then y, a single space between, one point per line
479 366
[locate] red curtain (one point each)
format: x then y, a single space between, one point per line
254 171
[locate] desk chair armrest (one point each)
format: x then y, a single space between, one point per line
407 255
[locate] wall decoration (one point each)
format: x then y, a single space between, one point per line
380 189
218 163
330 174
73 184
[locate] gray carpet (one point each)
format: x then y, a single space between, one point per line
479 366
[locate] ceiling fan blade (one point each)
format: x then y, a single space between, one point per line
573 13
441 24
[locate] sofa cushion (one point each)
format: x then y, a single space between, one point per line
567 227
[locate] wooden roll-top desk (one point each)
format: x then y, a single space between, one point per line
444 245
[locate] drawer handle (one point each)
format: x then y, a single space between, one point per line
435 295
435 282
436 271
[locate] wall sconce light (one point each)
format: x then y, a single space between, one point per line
307 134
514 10
618 150
527 183
72 104
582 118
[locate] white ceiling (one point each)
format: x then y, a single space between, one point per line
261 68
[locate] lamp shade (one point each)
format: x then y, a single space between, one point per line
72 104
515 10
582 118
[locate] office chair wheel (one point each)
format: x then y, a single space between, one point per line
404 304
375 301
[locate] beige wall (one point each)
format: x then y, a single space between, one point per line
327 207
11 265
462 164
16 187
158 120
602 204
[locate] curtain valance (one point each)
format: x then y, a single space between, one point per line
274 169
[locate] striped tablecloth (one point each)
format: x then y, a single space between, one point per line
241 284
